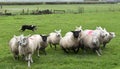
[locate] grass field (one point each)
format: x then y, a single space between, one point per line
110 59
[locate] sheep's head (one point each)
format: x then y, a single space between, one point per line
44 37
103 32
58 33
112 34
23 40
76 33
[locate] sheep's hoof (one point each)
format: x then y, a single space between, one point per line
98 53
38 56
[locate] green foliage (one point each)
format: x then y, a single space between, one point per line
10 25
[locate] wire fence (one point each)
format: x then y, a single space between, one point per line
37 11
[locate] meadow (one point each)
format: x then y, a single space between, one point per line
57 59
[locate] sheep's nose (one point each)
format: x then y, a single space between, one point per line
20 44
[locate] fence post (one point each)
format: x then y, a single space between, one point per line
28 11
1 6
23 11
5 11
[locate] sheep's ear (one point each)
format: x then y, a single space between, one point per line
21 35
47 35
40 35
100 28
55 30
72 31
81 27
60 30
104 29
15 36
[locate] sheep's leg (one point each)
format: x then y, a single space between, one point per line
97 52
23 57
38 53
23 30
65 50
100 51
68 50
83 49
50 45
16 56
104 45
29 59
73 50
44 51
33 30
77 50
55 46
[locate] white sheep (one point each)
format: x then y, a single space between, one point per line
107 38
13 43
103 32
70 41
37 38
27 47
91 42
54 38
97 35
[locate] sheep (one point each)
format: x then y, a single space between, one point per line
70 41
92 42
29 27
13 43
104 32
27 47
54 38
93 39
108 38
43 43
37 38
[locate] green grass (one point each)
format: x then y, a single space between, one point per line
10 25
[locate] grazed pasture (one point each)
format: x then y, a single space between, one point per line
10 25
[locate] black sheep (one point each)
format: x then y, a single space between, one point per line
29 27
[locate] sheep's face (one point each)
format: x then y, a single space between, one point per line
23 41
76 33
112 34
103 32
58 33
44 38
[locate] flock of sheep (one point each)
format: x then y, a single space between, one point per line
25 46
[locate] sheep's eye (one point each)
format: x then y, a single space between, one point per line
24 39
